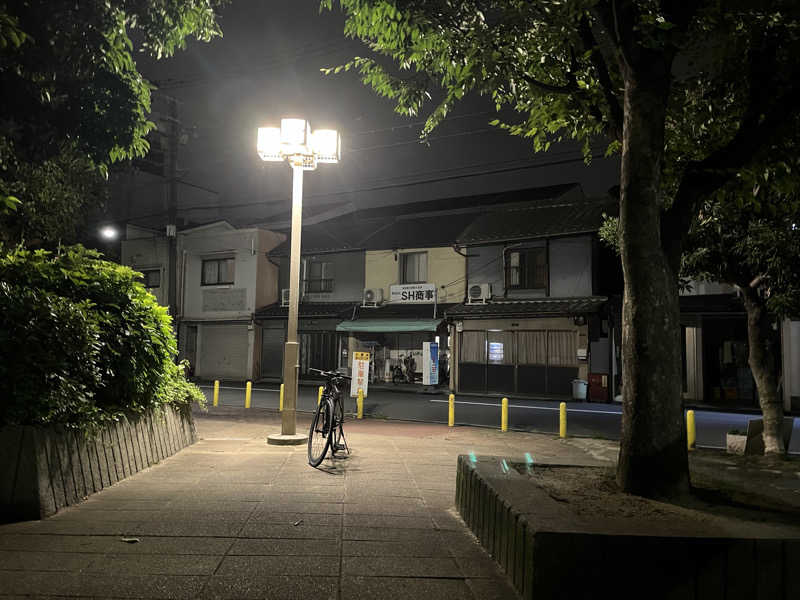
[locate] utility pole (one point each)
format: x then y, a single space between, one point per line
172 211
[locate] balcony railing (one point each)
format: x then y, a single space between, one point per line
318 286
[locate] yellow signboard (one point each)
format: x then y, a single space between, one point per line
361 356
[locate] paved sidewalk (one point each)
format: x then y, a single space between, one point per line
231 517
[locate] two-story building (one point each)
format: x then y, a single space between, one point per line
222 275
537 316
383 279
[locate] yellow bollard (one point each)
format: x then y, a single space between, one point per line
280 402
216 392
691 431
562 420
319 395
504 415
248 392
451 412
360 404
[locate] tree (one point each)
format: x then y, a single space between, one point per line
73 101
756 249
643 73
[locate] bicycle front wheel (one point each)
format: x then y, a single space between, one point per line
319 437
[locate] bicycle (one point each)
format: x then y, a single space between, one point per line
326 426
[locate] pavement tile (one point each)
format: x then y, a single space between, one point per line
289 518
395 509
154 564
390 522
259 529
15 560
212 546
372 548
81 525
187 528
492 589
421 536
274 588
404 588
284 547
400 566
279 505
478 566
266 566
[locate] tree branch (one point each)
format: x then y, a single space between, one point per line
599 62
555 89
770 107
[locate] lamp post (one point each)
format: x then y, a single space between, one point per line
294 142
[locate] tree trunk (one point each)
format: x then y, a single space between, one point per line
653 458
762 340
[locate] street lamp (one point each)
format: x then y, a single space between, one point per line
304 150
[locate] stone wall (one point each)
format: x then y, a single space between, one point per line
44 469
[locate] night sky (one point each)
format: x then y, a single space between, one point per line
267 66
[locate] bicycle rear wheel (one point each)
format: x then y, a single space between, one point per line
319 437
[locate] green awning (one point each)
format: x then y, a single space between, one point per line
389 325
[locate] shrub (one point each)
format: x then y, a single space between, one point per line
82 341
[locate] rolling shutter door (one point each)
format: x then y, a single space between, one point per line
223 352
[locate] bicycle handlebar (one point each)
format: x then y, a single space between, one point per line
330 374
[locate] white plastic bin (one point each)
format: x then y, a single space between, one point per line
579 387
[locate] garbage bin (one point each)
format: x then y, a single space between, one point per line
579 389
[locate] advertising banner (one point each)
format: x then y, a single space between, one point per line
430 363
413 293
360 374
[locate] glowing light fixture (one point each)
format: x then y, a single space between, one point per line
295 142
108 233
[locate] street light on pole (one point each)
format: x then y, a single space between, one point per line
294 142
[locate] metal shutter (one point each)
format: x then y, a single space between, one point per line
222 352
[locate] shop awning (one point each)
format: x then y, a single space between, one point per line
389 325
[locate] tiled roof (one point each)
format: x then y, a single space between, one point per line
529 308
402 311
539 219
444 222
319 310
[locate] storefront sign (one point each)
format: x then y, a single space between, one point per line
430 363
413 293
360 374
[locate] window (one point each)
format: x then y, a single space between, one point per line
152 278
414 267
218 271
526 269
319 277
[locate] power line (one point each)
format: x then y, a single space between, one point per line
385 187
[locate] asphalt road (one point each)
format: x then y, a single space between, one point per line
583 419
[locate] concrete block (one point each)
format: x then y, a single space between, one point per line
741 576
791 569
45 437
769 571
86 468
122 447
61 442
77 468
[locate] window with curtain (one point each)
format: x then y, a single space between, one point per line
217 271
473 347
562 348
319 277
532 347
526 268
414 267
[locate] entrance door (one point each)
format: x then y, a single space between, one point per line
272 353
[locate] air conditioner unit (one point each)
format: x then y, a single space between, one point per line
479 293
285 297
372 297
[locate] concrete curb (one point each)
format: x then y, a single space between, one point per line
44 469
545 560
